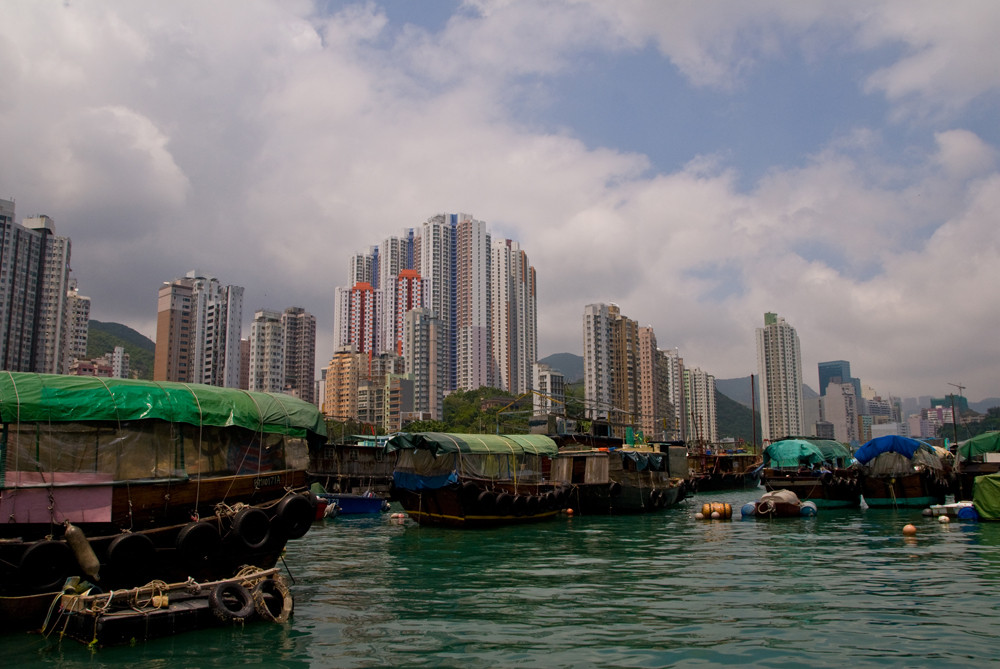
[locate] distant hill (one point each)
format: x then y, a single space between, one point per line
739 390
570 364
982 405
733 418
104 337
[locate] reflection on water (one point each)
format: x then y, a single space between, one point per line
843 588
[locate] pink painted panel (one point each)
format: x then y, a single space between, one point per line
76 497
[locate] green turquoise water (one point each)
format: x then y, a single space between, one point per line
842 589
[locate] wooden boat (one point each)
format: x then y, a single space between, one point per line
978 456
716 467
120 482
162 609
475 480
617 480
816 470
350 504
354 465
779 504
897 471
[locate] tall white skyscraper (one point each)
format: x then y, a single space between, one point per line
597 363
699 390
481 292
779 365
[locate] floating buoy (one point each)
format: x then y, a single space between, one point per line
807 509
716 515
909 529
944 519
749 509
927 512
699 516
569 512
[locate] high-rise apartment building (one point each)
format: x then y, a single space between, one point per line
357 317
198 331
78 323
299 328
35 315
699 390
779 365
267 352
423 351
480 290
611 365
550 390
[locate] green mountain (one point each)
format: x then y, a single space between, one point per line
734 419
102 338
569 364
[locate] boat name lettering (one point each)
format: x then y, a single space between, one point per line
262 481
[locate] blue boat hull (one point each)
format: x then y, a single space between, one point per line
352 504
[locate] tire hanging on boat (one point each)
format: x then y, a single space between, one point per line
252 527
273 600
198 543
46 565
130 558
487 501
231 602
503 503
294 516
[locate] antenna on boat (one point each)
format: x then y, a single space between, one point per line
753 413
954 419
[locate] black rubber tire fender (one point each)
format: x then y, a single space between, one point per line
294 515
131 558
231 602
272 600
45 565
198 542
252 527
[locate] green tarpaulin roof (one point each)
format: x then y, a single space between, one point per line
831 450
986 496
439 443
987 442
792 453
51 398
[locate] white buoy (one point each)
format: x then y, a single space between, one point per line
716 515
944 519
699 516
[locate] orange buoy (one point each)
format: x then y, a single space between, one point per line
909 529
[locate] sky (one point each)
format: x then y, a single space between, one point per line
696 163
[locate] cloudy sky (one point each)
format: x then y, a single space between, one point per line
696 163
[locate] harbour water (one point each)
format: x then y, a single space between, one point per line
845 588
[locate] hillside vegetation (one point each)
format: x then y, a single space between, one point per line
102 338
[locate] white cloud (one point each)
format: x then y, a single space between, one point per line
266 144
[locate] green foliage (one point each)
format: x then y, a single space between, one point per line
102 338
990 422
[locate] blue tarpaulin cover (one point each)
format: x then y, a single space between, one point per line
892 443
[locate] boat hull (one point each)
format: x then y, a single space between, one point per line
833 490
355 504
910 491
470 504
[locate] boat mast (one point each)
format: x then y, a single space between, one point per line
753 414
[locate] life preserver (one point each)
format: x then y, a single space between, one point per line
252 527
272 600
198 543
231 601
46 565
294 516
130 558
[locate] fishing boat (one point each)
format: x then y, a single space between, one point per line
816 470
475 480
353 465
120 482
723 467
978 456
351 504
898 471
618 480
